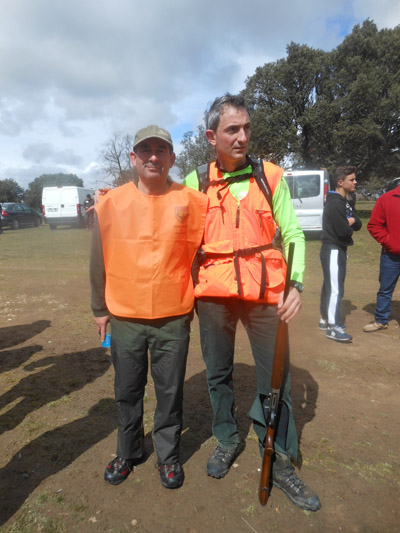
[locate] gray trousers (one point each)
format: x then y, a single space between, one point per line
167 340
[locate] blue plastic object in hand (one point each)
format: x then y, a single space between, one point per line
107 341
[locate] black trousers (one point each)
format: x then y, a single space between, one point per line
167 340
333 262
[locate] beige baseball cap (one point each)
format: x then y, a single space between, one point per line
151 132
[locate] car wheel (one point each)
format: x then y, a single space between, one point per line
53 226
15 224
38 222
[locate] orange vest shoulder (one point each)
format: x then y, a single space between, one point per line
149 243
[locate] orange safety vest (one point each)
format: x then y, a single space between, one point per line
149 243
240 260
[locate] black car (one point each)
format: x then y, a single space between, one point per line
15 215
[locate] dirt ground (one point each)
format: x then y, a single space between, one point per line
58 422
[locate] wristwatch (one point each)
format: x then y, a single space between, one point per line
297 285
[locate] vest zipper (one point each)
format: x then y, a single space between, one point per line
238 215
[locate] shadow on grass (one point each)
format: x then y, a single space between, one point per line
198 416
51 452
395 310
56 449
13 335
10 359
346 309
62 375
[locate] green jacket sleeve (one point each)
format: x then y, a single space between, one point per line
289 226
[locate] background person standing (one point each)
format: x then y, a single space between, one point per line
339 221
384 226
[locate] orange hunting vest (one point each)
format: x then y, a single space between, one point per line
240 260
149 243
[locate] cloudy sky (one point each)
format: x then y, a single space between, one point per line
74 73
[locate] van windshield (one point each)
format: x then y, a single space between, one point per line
306 186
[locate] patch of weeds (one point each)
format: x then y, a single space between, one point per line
58 499
371 473
42 498
80 508
364 444
324 456
251 509
247 492
32 519
61 401
330 366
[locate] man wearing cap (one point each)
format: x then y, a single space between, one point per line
145 238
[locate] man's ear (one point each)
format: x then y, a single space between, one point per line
172 159
132 155
210 134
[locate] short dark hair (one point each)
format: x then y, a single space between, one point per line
213 114
343 171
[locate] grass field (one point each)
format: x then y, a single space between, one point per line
58 423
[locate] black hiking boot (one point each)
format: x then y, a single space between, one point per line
284 477
220 461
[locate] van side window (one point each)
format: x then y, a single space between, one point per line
306 186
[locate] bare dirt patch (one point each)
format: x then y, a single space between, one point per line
58 424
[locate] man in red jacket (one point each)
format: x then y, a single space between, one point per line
384 226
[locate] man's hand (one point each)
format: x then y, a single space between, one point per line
99 193
101 323
351 220
291 307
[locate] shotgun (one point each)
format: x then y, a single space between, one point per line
271 402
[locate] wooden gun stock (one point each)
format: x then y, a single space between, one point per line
270 403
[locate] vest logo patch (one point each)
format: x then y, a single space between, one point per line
181 213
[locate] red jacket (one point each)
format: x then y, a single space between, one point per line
384 224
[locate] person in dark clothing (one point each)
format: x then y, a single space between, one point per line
338 224
89 208
1 229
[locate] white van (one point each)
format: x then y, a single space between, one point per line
64 205
308 189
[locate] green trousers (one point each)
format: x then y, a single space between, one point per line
167 341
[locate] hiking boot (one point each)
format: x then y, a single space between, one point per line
338 333
220 461
374 326
295 489
323 324
118 470
172 476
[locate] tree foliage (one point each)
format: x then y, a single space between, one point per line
33 194
322 109
10 191
196 150
314 109
115 160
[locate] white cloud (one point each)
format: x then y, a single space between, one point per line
72 73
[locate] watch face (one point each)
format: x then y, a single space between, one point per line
297 285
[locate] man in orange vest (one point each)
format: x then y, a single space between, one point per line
145 238
242 278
